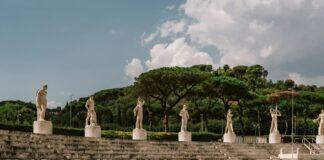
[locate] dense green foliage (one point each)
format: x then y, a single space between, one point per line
111 134
209 94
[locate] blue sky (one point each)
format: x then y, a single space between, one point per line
75 46
82 46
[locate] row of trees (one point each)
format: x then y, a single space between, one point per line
209 94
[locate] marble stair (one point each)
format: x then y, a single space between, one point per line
24 145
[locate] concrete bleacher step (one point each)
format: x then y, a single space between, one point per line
23 145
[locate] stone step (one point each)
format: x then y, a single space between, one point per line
22 145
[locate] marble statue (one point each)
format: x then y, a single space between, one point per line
320 119
92 129
229 122
41 103
274 136
184 118
275 113
229 135
41 126
139 133
91 115
138 113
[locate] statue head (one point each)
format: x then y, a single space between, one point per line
140 100
45 87
322 111
91 97
229 111
184 106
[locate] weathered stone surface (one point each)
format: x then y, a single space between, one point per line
139 134
320 139
184 136
229 138
274 138
20 145
92 131
43 127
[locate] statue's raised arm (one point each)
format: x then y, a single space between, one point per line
320 120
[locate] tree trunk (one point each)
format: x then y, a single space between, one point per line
206 121
286 130
119 119
150 121
166 121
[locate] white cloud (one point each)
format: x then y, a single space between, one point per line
266 52
270 33
53 104
146 39
172 27
299 79
283 36
134 68
168 28
177 53
170 7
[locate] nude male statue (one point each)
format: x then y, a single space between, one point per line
41 103
138 113
275 113
229 122
91 115
184 118
320 119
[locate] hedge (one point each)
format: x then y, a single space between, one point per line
160 136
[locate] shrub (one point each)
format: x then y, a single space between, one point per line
163 136
160 136
116 134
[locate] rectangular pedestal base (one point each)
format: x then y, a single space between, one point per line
320 139
184 136
229 138
274 138
92 131
43 127
139 134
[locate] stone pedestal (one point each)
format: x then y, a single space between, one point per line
274 138
229 138
92 131
320 139
139 134
184 136
43 127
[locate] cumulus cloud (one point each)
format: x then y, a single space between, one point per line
299 79
170 7
53 104
276 34
134 68
283 36
168 28
177 53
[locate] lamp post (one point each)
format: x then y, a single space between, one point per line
292 123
